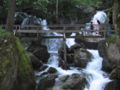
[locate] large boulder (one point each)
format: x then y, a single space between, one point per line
81 57
110 51
90 43
40 51
47 81
36 63
73 82
115 83
77 55
15 66
115 74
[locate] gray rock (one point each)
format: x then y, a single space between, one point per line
111 55
52 70
47 82
73 82
81 57
40 51
36 63
114 85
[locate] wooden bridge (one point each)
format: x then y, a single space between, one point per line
35 31
63 29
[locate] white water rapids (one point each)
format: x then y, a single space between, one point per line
97 78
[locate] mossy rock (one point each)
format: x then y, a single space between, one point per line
109 49
15 65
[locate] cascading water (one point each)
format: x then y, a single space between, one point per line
101 16
70 41
53 46
97 80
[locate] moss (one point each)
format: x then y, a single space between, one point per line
13 55
3 33
4 67
112 39
24 63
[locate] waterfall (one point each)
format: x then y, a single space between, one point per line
53 46
71 41
44 24
101 16
97 79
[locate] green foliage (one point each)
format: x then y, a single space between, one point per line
47 8
11 50
41 5
20 2
3 32
112 39
24 63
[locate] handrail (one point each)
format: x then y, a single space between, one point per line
64 28
56 25
61 31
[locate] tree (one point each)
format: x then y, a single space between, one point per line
116 16
10 17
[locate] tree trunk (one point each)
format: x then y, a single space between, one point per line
10 17
57 11
116 16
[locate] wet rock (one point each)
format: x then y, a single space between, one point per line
47 82
52 70
110 51
76 46
115 77
115 74
73 82
81 57
40 51
64 78
63 64
43 67
90 44
77 55
111 55
36 63
113 85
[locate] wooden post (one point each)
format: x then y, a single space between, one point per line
64 41
104 34
57 11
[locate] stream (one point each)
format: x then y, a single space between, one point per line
97 79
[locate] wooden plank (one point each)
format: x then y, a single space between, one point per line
62 36
60 31
65 48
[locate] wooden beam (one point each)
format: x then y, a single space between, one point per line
61 36
60 31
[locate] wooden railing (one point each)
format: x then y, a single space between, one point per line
64 29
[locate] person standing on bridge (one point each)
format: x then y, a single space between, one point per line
98 18
95 24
